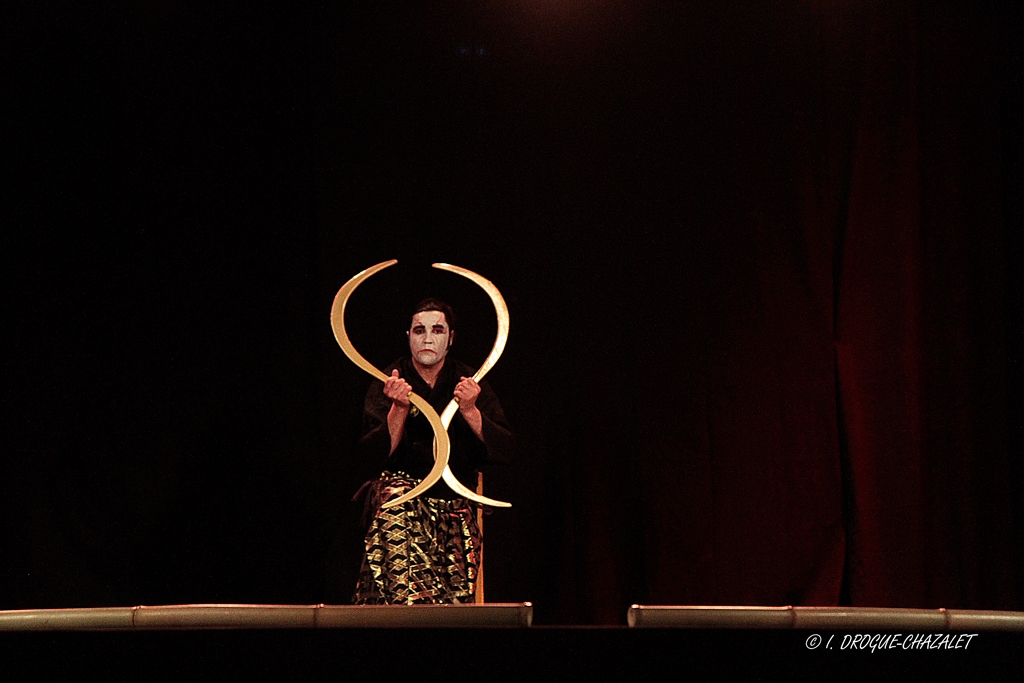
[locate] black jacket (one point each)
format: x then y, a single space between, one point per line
414 454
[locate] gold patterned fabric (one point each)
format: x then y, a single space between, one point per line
424 551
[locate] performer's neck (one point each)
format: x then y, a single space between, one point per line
429 373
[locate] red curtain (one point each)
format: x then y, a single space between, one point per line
826 422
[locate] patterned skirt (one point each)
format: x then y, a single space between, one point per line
424 551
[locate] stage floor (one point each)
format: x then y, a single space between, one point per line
490 655
498 642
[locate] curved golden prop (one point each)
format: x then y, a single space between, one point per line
439 423
501 309
442 446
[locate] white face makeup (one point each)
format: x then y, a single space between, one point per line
429 337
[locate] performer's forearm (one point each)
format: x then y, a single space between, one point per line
475 421
396 424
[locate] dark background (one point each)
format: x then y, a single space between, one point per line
762 260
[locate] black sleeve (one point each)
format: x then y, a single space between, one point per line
498 437
375 442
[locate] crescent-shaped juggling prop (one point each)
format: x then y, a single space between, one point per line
442 445
501 309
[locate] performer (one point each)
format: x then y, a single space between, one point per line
426 550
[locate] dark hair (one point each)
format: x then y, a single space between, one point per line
432 304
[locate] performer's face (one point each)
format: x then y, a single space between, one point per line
429 337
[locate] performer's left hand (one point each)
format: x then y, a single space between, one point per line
467 392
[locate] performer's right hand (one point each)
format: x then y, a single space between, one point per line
397 389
